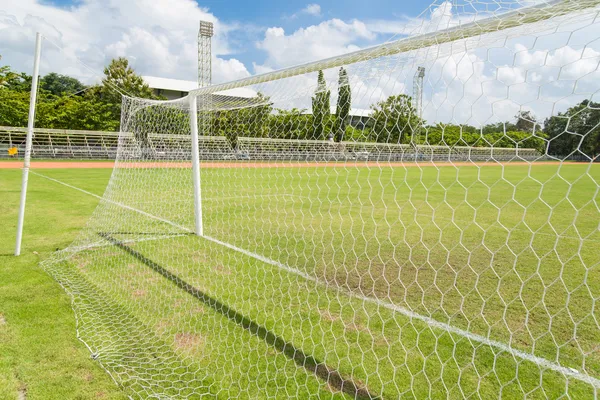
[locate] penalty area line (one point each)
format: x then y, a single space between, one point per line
540 361
114 202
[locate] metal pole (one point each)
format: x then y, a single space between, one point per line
196 165
30 125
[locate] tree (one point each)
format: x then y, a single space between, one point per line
76 112
321 108
252 120
6 75
577 129
526 122
119 78
498 127
59 85
14 108
394 120
290 124
344 105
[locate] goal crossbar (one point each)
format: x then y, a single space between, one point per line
523 16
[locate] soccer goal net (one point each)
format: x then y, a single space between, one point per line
418 219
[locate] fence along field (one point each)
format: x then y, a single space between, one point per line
345 269
64 144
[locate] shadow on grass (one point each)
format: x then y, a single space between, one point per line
332 377
124 345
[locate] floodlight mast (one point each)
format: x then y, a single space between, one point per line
418 90
29 141
205 35
418 103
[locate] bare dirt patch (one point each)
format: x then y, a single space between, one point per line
223 270
188 341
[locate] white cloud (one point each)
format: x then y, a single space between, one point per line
158 37
311 9
436 18
485 81
327 39
477 81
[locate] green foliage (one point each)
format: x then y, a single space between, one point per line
6 76
527 122
60 85
74 112
58 106
14 107
353 134
496 127
290 124
394 120
251 121
577 129
321 108
119 78
19 82
77 113
344 105
459 135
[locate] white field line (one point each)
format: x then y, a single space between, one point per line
540 361
115 203
256 197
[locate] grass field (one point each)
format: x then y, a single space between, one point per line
40 356
507 254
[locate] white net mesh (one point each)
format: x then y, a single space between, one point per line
344 246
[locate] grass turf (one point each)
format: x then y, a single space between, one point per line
40 356
456 244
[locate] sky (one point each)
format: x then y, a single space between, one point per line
159 36
544 73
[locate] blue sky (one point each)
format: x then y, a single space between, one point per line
159 38
290 16
242 29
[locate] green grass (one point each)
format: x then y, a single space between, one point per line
40 355
499 252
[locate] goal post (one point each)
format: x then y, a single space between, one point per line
29 141
193 116
316 232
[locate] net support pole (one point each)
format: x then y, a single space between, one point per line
29 141
196 165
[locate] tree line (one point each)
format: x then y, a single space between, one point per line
395 120
66 103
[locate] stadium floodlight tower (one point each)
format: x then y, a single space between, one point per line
205 35
418 101
418 90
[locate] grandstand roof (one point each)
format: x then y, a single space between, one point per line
179 85
354 112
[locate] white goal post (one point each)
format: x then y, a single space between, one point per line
313 232
30 126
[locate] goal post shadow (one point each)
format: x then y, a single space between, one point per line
304 360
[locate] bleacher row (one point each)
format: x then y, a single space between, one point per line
90 145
